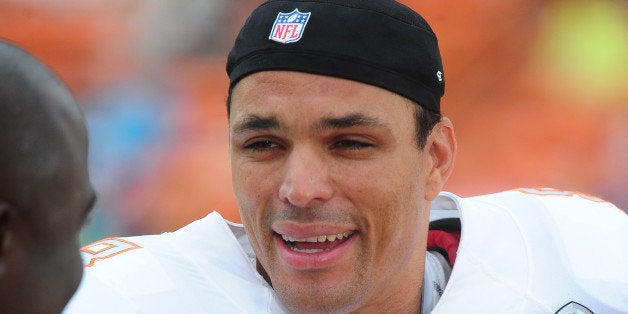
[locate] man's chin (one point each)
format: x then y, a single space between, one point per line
318 298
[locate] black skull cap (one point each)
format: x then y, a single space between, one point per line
381 43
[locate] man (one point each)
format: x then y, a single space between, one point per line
45 193
339 154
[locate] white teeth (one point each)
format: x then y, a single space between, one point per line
287 238
322 238
305 250
343 235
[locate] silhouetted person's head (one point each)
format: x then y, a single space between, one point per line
45 191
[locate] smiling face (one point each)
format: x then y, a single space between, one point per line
332 190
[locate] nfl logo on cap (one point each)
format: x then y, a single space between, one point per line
289 27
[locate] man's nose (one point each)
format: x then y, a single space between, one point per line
306 179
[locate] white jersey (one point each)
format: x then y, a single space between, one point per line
521 251
205 267
537 251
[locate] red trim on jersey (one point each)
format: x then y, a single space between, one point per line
448 241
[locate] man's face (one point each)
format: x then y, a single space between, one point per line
331 189
50 194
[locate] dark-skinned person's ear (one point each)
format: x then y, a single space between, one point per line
6 219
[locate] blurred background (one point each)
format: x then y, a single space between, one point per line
537 90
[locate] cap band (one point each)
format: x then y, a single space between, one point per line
382 43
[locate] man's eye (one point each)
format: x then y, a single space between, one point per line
261 145
352 145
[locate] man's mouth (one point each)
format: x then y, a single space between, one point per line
316 244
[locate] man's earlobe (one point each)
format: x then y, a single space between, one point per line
442 149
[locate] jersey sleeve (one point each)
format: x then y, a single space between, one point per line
585 234
116 272
539 250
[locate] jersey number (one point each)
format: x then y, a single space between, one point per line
104 249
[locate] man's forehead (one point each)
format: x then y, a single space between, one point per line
278 82
267 87
278 99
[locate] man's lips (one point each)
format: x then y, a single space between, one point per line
313 248
316 244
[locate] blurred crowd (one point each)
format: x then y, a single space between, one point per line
537 91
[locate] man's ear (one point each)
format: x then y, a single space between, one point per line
6 219
441 148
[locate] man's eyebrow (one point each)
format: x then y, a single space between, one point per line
352 120
255 123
